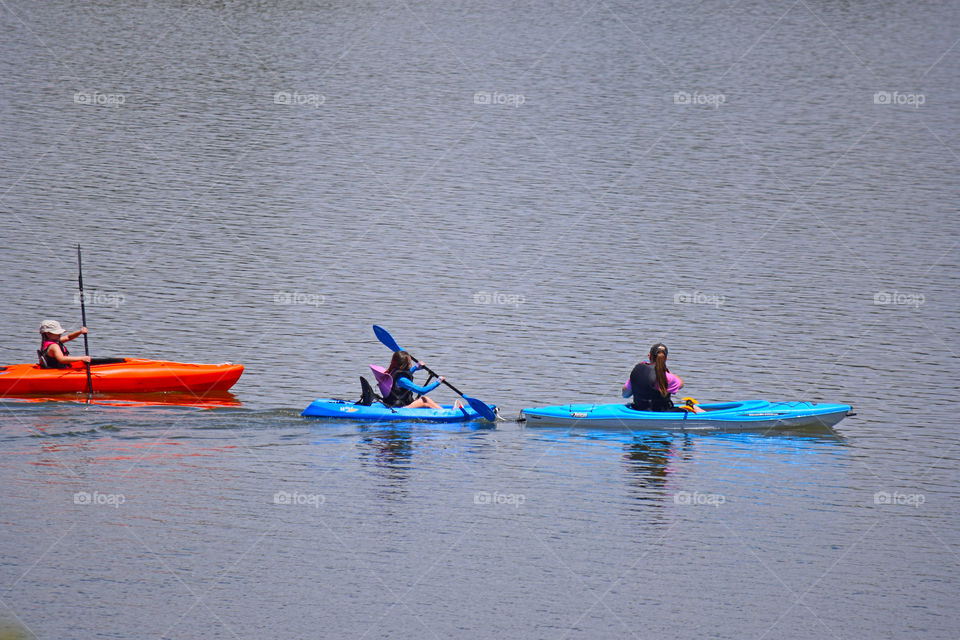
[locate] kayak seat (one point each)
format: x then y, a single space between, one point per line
367 394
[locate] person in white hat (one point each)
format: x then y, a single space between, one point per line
52 353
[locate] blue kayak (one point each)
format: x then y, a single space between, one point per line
378 412
746 415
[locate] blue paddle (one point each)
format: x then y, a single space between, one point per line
479 406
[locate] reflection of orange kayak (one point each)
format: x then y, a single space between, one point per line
130 375
206 399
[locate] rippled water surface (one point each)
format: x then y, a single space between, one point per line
527 196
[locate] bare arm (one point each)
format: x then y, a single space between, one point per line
56 353
73 335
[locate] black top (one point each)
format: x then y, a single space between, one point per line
399 397
49 362
646 393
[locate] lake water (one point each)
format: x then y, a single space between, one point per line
527 196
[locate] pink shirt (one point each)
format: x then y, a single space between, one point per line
673 383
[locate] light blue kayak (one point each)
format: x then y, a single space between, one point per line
746 415
378 412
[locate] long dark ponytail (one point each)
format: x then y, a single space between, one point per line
658 358
399 361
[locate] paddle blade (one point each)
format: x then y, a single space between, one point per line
482 408
385 338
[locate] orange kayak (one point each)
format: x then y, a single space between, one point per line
131 375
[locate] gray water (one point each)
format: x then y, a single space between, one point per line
527 196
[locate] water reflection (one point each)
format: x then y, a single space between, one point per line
649 458
207 400
654 461
388 452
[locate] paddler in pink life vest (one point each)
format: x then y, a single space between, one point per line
651 384
53 354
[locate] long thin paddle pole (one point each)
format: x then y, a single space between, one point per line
83 318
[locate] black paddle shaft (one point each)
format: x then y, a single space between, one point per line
83 307
431 372
83 319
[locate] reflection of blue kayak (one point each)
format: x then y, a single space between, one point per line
731 416
378 412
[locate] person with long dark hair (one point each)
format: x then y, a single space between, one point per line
402 392
651 384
